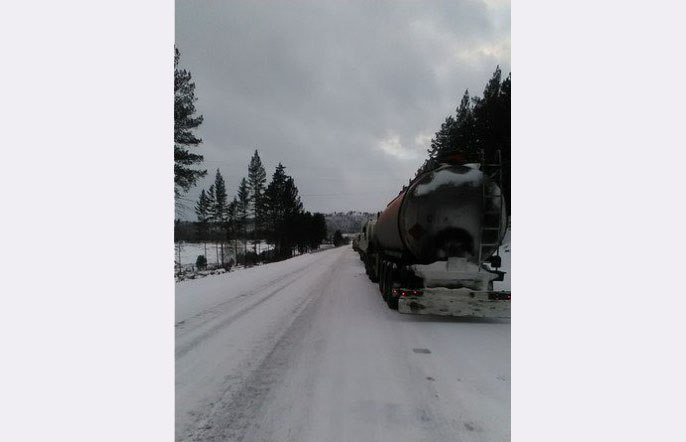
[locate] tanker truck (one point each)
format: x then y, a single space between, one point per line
364 239
434 248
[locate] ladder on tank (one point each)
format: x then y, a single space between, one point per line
491 218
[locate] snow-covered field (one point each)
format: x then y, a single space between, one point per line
189 251
306 350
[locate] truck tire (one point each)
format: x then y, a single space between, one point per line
382 278
373 272
370 264
391 301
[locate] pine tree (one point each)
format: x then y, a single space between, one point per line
185 122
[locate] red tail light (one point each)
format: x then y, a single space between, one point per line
499 296
406 293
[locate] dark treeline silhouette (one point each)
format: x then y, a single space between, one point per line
272 212
480 129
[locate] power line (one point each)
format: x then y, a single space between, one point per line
349 194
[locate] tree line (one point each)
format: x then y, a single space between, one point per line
480 129
259 211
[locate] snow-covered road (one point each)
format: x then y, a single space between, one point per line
306 350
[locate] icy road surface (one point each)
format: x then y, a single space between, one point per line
306 350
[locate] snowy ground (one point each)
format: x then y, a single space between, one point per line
306 350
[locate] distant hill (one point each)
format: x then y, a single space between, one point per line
346 222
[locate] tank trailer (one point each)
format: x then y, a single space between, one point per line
434 248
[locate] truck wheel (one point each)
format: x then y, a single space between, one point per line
391 301
382 279
370 266
385 287
373 272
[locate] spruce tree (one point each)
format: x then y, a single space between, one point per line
218 209
212 222
318 230
219 201
272 203
462 138
442 141
282 205
242 209
202 210
481 126
257 179
231 225
210 203
243 203
506 136
487 113
185 122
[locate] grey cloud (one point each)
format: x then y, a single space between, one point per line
320 85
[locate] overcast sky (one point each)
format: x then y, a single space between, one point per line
346 94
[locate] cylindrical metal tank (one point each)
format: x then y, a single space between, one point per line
450 211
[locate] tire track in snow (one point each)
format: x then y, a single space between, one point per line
207 315
183 349
233 419
245 389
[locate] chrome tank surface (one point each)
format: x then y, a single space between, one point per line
442 214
